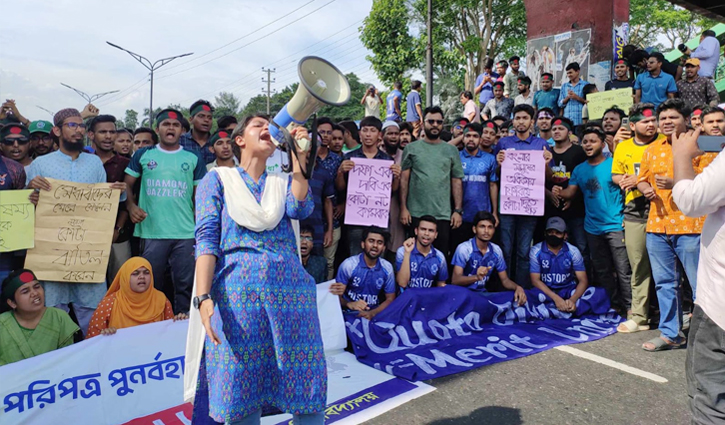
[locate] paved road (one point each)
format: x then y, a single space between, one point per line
555 387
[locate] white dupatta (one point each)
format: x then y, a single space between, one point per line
244 209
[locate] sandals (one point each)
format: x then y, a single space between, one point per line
630 327
662 344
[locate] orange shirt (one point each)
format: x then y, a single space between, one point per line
664 215
102 315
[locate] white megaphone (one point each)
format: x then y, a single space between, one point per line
321 83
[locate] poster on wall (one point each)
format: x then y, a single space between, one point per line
553 53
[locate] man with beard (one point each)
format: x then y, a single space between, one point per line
370 128
457 132
671 236
17 146
197 139
654 86
713 121
544 117
623 80
41 140
511 79
337 140
548 96
611 123
557 267
70 163
406 135
695 89
499 105
102 133
478 258
362 277
480 182
316 265
419 264
517 231
391 146
566 156
432 173
625 171
489 137
144 137
163 210
525 96
603 221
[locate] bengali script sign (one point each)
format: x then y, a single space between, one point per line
368 193
17 220
74 231
600 102
434 332
522 183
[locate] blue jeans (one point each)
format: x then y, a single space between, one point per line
518 231
668 255
255 418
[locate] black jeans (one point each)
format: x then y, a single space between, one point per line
609 255
705 369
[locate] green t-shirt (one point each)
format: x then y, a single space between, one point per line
167 189
432 166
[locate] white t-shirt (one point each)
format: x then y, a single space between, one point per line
372 106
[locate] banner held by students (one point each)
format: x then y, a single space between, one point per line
73 232
17 220
368 193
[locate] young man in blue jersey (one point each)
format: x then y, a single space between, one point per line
476 259
418 263
163 210
361 279
557 267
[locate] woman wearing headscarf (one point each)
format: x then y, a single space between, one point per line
261 333
131 300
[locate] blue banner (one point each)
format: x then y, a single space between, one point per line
429 333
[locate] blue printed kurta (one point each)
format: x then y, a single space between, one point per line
265 311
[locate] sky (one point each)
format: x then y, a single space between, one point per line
64 41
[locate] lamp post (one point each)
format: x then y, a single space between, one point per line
88 98
151 67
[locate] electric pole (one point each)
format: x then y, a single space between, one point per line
429 57
269 82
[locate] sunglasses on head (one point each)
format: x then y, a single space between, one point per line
20 140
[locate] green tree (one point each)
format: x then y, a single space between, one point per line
131 119
226 104
649 19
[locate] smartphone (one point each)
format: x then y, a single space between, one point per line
711 143
625 123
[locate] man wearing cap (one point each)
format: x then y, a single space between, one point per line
484 83
557 267
642 131
499 105
102 133
480 182
708 52
197 139
221 144
695 89
16 146
163 210
548 96
414 110
623 80
654 86
371 101
512 78
525 95
70 163
470 109
391 146
41 140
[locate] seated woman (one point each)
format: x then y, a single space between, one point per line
30 328
131 300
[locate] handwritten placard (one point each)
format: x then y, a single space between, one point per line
522 183
17 220
74 231
603 100
368 193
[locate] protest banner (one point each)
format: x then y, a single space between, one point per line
522 183
368 193
435 332
135 377
17 220
74 230
603 100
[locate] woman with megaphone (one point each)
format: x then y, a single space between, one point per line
262 344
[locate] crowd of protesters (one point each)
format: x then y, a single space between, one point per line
610 218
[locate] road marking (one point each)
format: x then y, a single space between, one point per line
611 363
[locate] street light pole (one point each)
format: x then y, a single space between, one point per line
89 99
429 57
151 67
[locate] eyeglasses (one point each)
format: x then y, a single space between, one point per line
306 238
21 141
75 125
434 122
324 132
45 138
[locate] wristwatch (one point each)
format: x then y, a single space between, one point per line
459 211
200 299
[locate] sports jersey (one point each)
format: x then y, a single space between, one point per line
365 283
470 258
426 270
558 271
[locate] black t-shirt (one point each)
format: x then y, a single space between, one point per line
617 84
670 68
562 166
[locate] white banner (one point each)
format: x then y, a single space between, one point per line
139 372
